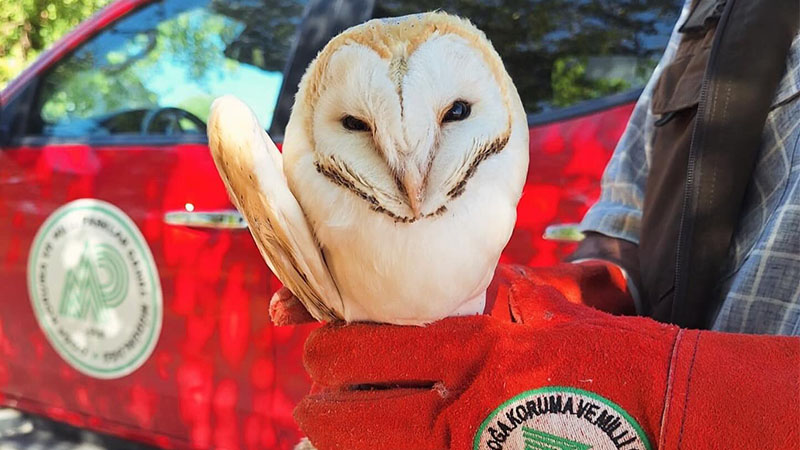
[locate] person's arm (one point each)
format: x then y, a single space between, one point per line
545 373
612 225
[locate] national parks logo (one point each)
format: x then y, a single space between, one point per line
560 418
95 289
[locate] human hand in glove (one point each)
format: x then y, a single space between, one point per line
542 372
596 283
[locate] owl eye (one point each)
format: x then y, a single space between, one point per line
459 111
353 124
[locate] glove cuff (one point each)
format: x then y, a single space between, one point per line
730 391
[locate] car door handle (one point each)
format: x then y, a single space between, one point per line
563 232
225 219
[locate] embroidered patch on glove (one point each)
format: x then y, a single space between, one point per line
560 418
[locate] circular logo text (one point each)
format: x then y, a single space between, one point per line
95 289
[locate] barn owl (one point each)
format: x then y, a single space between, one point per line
403 162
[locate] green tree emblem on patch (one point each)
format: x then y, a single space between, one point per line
98 282
539 440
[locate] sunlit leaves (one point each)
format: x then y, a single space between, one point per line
27 27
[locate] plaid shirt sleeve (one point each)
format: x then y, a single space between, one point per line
618 211
760 287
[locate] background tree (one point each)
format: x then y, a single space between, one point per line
549 46
27 27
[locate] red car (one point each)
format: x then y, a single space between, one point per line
134 301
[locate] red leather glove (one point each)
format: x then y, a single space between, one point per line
594 283
559 376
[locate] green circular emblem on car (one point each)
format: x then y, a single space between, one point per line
95 289
560 418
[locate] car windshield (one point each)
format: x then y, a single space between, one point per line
176 54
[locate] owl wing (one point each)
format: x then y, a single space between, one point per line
252 169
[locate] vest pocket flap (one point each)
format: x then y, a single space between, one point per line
678 87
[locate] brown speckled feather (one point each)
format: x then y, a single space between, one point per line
251 168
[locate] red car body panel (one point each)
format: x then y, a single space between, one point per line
567 160
221 375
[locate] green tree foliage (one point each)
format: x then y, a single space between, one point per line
545 44
570 83
27 27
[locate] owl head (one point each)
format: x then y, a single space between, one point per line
401 112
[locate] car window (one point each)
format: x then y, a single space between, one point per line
561 52
157 70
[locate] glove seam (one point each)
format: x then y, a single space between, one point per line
688 389
668 392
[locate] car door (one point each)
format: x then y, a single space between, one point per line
134 299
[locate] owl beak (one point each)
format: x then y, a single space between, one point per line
413 184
